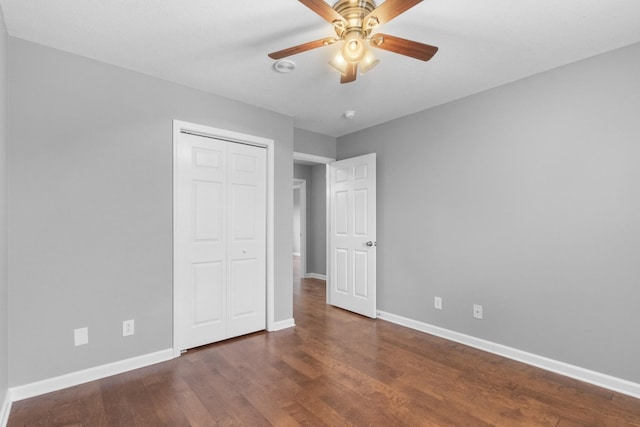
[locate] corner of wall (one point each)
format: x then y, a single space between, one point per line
312 143
4 285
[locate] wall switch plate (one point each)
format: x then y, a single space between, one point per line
80 336
477 311
128 328
437 303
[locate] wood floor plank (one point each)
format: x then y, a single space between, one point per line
193 408
200 380
334 368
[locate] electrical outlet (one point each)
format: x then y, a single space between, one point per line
80 336
128 328
477 311
437 303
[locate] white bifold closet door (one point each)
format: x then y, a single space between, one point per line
220 238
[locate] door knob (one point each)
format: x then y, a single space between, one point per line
370 243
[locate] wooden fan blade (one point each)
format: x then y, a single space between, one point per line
421 51
352 73
389 10
302 48
323 9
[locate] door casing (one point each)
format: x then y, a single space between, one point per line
301 185
210 132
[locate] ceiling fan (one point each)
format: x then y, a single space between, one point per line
354 22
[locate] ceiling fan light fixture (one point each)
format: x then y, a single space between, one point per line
354 49
368 62
339 63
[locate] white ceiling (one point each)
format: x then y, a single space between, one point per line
221 47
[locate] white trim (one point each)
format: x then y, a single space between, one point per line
80 377
269 144
315 276
271 251
296 254
301 185
282 324
327 183
312 158
5 409
588 376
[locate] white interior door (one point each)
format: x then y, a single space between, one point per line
352 234
246 296
220 240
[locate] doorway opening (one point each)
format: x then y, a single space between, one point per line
343 222
310 179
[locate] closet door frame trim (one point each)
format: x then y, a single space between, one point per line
269 144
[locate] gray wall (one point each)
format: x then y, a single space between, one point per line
90 206
296 221
304 172
524 199
314 143
317 233
316 215
4 344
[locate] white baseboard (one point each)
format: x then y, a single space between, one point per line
5 409
315 276
575 372
283 324
80 377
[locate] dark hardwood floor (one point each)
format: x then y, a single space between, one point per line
334 368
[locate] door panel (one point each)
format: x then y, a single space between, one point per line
361 273
208 293
208 158
352 234
360 213
243 212
247 249
242 285
207 218
201 196
342 213
341 280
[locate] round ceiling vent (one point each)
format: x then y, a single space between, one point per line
284 66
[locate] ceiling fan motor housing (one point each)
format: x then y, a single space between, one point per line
354 12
